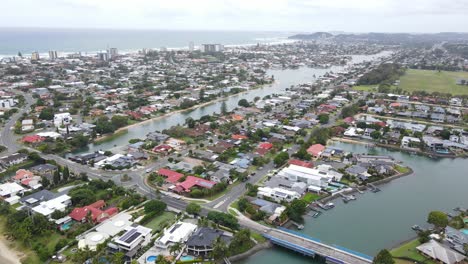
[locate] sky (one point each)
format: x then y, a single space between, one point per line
253 15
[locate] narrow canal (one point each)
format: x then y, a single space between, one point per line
284 79
384 219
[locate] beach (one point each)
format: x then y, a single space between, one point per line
7 254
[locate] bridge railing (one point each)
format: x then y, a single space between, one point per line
299 234
353 252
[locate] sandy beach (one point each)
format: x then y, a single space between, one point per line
7 254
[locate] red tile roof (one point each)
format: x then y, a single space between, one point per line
316 150
195 181
97 215
265 145
23 174
301 163
172 176
237 137
32 139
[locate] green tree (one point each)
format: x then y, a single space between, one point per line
56 177
376 135
323 118
296 209
281 159
193 208
119 121
190 122
118 258
175 248
438 219
65 173
383 257
155 206
243 103
242 204
47 114
220 250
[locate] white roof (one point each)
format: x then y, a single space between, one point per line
9 188
50 134
115 224
48 207
179 232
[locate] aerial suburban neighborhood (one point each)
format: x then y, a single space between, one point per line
213 154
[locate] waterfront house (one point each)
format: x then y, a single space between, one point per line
315 150
440 253
177 233
132 240
13 159
201 242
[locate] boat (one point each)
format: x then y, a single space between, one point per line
416 228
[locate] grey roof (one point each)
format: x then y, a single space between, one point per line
40 196
205 236
43 167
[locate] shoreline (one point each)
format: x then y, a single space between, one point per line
104 137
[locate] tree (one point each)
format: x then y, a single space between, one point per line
175 248
445 134
47 114
201 95
375 134
190 122
193 208
118 258
281 158
45 182
20 54
323 118
220 250
242 204
155 206
243 103
383 257
296 209
438 219
223 108
65 173
56 177
119 121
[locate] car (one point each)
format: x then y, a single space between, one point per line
148 170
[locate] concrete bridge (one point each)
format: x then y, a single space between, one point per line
312 247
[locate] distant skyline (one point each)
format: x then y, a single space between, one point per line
416 16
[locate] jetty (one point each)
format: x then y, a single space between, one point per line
373 188
347 198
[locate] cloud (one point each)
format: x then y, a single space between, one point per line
293 15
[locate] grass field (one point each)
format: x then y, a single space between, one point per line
366 88
433 81
158 221
409 250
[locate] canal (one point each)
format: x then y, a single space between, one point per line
284 79
384 219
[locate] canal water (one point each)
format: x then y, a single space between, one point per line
284 79
384 219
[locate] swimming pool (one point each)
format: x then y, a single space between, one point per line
151 258
465 231
187 258
66 226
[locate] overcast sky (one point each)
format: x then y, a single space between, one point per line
271 15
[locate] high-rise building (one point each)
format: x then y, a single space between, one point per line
53 54
211 47
191 46
104 56
112 53
35 56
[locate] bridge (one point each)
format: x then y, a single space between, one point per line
312 247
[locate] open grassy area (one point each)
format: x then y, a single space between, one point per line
258 237
433 81
402 169
310 197
408 250
158 221
366 88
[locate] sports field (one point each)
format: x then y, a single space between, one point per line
433 81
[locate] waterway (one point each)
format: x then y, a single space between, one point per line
284 79
384 219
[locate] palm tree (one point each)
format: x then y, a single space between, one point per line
175 248
220 249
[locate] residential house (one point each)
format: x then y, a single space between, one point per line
94 211
201 242
315 150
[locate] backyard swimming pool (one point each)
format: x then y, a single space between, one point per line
187 258
66 226
465 231
151 258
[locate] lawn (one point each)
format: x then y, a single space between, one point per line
366 88
310 197
157 222
433 81
402 169
408 250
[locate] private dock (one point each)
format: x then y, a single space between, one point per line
373 188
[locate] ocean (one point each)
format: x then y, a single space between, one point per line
28 40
